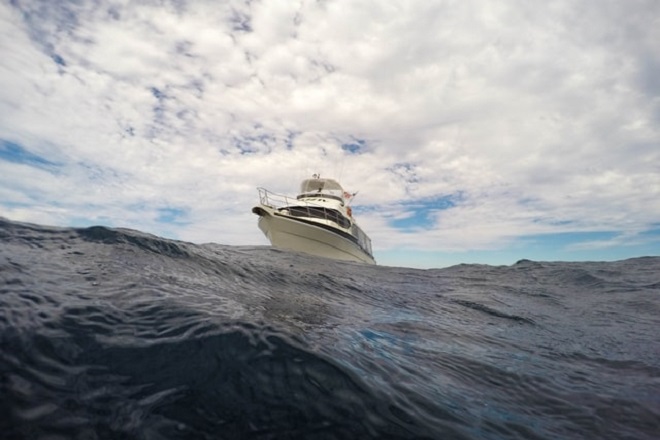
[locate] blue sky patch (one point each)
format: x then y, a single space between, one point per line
12 152
240 21
355 147
172 216
562 239
13 205
593 246
405 171
58 60
543 247
254 144
421 213
158 94
290 137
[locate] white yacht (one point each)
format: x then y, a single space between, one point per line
318 221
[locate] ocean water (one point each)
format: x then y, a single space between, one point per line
117 334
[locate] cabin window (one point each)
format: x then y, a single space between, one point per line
322 213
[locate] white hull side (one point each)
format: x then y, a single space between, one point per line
291 234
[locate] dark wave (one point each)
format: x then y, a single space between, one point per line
493 312
140 240
113 333
236 382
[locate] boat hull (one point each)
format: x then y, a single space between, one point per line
289 233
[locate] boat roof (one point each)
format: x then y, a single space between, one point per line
320 185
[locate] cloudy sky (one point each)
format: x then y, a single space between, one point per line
475 131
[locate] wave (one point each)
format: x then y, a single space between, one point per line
114 333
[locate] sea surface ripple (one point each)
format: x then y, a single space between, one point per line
114 333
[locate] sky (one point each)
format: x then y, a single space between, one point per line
474 131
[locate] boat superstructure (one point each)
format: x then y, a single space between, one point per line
318 221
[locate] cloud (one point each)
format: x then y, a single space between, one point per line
165 116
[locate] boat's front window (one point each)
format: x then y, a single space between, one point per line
321 213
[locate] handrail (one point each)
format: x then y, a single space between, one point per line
274 200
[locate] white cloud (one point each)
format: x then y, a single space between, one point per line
544 118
